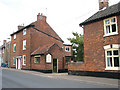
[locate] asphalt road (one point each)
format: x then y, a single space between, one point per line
15 79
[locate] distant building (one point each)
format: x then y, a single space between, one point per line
101 43
38 47
5 52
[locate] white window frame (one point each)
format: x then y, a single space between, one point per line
48 58
24 32
24 44
108 48
67 47
24 60
14 46
110 24
14 36
13 60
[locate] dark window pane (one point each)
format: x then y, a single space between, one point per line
115 52
107 29
114 28
37 60
109 60
113 20
109 53
116 61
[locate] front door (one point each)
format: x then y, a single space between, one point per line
18 63
55 66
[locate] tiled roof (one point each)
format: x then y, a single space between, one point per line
43 49
102 14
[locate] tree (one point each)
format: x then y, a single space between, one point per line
78 46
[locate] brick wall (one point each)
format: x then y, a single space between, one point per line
94 42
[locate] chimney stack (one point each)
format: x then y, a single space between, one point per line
103 4
41 17
20 27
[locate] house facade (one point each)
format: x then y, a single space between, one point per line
37 47
5 52
101 43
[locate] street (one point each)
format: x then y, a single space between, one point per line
31 79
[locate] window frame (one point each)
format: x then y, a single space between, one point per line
38 56
24 31
24 59
14 47
24 46
13 60
14 36
48 58
110 24
112 56
67 50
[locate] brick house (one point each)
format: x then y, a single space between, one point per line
38 47
101 43
5 52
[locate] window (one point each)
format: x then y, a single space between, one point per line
110 26
37 59
14 47
48 58
13 60
14 36
112 58
24 59
24 44
67 49
24 32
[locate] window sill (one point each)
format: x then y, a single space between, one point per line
24 64
112 68
24 49
111 34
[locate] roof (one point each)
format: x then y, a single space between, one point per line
47 31
22 29
102 14
43 49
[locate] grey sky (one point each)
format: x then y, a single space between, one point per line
63 16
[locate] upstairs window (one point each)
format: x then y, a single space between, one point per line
14 36
24 44
24 32
24 59
14 47
67 49
110 26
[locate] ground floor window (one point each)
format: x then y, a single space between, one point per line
112 59
13 60
37 59
24 59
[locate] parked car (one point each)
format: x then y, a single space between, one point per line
4 65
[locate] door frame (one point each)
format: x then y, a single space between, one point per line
18 62
57 64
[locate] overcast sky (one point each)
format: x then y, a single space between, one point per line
63 16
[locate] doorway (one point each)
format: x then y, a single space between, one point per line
18 63
55 65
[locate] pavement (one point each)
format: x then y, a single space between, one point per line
65 76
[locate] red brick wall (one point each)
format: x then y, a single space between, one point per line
56 53
19 48
94 42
